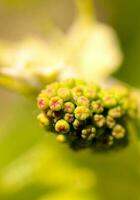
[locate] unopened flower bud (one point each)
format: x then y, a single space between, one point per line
54 85
70 83
81 112
99 120
109 101
76 124
69 107
90 93
110 122
49 113
88 133
64 93
110 140
50 92
124 103
61 138
42 103
115 112
69 117
56 103
97 107
62 126
77 91
82 101
118 131
120 92
95 87
43 119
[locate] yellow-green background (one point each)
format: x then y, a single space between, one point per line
32 165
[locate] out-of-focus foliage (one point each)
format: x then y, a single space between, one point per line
124 16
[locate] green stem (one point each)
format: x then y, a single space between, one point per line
15 85
85 10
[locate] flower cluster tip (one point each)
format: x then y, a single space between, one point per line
85 115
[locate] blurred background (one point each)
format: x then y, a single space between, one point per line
32 165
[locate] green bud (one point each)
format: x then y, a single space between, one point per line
119 91
50 92
109 100
90 93
49 114
54 85
82 112
64 93
62 126
97 106
118 131
85 111
94 87
110 140
115 112
42 103
70 83
88 133
124 103
69 107
77 91
76 124
61 138
43 119
110 122
82 101
99 120
69 117
56 103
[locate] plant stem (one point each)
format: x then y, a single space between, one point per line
85 10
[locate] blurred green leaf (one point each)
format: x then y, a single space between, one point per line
22 132
123 16
32 192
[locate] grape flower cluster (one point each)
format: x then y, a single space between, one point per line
85 115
